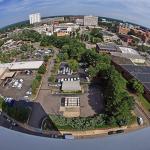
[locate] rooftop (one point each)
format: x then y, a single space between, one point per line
127 55
141 73
69 86
108 47
22 65
127 50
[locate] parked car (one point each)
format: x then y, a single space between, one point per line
140 120
14 123
120 131
68 136
111 132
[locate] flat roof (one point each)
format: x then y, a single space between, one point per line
128 50
7 75
2 71
108 47
71 86
25 65
127 55
141 73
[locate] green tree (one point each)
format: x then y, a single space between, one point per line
136 86
34 86
46 58
73 64
1 42
42 69
118 103
38 77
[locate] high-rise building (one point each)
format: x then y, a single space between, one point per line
90 21
35 18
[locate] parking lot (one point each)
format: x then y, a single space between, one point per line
18 86
66 74
91 101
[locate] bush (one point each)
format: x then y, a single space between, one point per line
46 58
78 123
42 69
51 79
35 85
1 102
136 86
38 77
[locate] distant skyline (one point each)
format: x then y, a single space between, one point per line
135 11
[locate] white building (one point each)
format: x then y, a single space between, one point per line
90 21
34 18
26 65
80 22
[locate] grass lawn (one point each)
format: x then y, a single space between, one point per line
144 102
1 101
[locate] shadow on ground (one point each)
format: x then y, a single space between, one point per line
38 116
96 99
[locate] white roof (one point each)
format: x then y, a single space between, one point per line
71 86
22 65
128 50
2 71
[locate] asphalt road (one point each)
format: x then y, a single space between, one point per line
140 113
38 112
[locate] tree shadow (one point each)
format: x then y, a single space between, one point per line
37 116
96 98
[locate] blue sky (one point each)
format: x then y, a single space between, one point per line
136 11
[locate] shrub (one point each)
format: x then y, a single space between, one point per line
42 69
80 123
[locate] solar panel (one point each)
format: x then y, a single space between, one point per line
143 77
141 73
147 85
136 69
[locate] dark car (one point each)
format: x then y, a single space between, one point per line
120 131
111 132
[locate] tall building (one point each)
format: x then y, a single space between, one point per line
90 21
35 18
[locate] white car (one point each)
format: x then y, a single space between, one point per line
21 80
28 93
140 120
87 78
26 97
59 80
19 86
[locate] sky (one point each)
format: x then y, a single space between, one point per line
136 11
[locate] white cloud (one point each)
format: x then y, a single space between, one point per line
133 10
